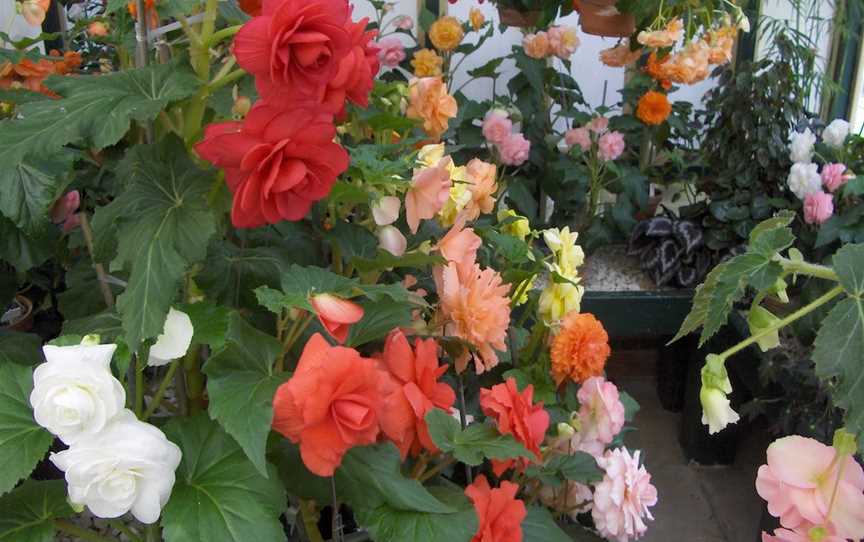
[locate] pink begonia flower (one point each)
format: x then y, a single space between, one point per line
496 126
514 150
429 190
64 211
601 412
834 176
785 535
392 240
622 498
818 207
578 136
598 125
611 146
405 23
386 210
563 41
798 483
391 51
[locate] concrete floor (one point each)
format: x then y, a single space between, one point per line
696 504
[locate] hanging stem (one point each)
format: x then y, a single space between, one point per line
83 534
310 521
335 520
163 387
100 270
140 364
125 529
434 471
469 477
194 380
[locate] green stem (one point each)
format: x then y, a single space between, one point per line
194 381
151 533
125 529
437 468
225 33
809 269
140 364
310 521
803 311
227 79
163 387
83 534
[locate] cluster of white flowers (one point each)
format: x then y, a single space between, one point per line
115 463
804 177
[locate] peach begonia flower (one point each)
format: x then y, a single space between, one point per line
620 55
428 101
34 11
415 373
476 18
563 41
801 535
720 44
392 240
386 210
536 45
622 498
499 512
429 190
515 413
336 314
818 207
476 309
460 244
332 403
689 65
580 349
667 37
427 63
799 480
97 29
482 185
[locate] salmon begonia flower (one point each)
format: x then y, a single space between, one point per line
515 414
97 29
799 482
277 162
332 403
536 45
580 349
34 11
415 373
475 308
429 190
620 55
295 44
499 512
667 37
429 101
563 41
336 314
460 244
482 185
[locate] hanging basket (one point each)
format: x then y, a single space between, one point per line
602 18
18 317
519 19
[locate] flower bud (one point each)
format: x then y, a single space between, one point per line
386 210
241 106
392 240
91 340
565 430
759 320
844 442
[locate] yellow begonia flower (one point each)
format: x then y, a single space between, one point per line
430 155
459 198
446 33
526 289
427 63
558 300
477 19
519 228
568 254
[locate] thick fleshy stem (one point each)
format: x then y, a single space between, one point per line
163 387
309 515
70 528
469 476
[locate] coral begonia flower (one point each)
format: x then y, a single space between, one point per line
34 11
277 162
798 483
429 190
580 349
336 314
515 415
295 44
415 373
331 403
460 244
499 512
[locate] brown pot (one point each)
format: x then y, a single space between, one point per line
602 18
19 318
520 19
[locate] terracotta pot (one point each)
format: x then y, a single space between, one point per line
520 19
20 317
602 18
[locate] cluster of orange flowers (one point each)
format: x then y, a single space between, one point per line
692 64
30 75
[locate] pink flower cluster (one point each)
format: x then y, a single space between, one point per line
391 51
800 481
819 205
610 145
513 148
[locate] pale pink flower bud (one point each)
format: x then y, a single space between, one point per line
386 210
392 240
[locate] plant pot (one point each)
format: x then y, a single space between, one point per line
20 316
519 19
602 18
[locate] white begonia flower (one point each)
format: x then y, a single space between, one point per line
801 146
392 240
385 211
129 466
804 179
74 393
174 341
836 132
716 412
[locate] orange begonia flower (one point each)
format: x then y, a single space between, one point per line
429 101
620 55
580 349
336 314
499 512
415 374
332 403
654 108
515 414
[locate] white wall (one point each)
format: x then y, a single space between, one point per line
14 24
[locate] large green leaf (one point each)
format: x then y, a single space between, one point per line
210 323
20 348
577 467
230 272
379 318
163 224
370 476
219 496
22 442
241 384
28 512
296 478
839 346
93 109
28 188
474 444
25 251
